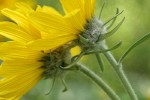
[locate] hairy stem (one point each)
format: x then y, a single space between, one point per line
118 68
98 80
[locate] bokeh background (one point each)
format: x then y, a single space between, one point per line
136 65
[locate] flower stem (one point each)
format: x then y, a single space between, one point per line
118 68
98 80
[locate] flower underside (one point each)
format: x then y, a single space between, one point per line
51 32
92 31
53 61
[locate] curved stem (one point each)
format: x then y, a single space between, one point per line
99 81
118 68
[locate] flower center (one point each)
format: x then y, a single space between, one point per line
51 63
54 60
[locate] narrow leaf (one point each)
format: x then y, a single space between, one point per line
143 39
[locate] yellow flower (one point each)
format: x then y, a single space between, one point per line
33 52
22 67
53 24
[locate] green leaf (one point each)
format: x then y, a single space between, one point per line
143 39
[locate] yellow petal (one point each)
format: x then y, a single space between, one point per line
46 44
52 24
88 12
93 6
11 50
12 31
24 8
74 18
16 86
7 3
50 35
47 9
13 98
12 67
75 51
71 5
22 21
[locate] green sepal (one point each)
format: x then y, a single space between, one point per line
113 21
100 14
64 84
103 51
83 39
108 34
74 61
109 20
52 87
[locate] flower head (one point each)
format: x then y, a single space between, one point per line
40 40
22 67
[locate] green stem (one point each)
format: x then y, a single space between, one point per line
118 68
99 81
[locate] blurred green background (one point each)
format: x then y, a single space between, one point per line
136 65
